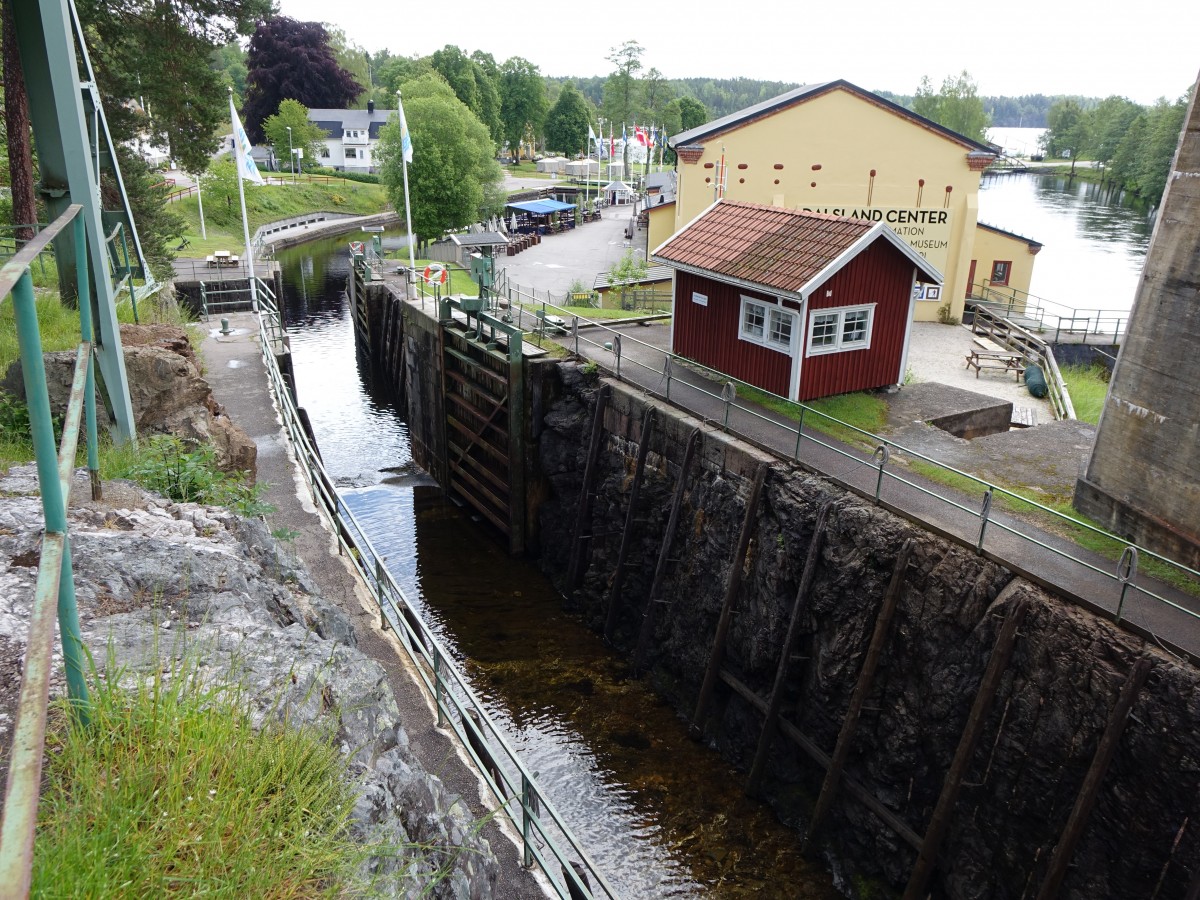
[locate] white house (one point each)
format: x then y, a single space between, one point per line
353 136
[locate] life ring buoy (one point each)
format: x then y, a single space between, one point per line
434 274
357 248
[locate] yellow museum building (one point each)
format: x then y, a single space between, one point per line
837 148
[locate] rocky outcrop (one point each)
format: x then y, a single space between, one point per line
156 580
1039 737
168 394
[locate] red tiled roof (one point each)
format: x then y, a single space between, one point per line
778 248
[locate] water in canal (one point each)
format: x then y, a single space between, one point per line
660 814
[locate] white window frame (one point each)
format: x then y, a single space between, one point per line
840 345
771 312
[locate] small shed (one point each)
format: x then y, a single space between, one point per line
804 305
618 193
543 216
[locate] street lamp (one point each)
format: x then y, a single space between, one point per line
291 154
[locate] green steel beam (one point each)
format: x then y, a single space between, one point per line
60 130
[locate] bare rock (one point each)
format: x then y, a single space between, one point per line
167 392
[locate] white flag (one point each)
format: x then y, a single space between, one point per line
406 147
591 135
241 148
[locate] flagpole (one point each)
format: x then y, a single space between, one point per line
200 202
238 155
405 154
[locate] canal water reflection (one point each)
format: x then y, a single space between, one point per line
1095 239
661 815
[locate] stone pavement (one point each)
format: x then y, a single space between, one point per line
235 371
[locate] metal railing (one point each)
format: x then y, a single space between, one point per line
55 591
1052 320
714 397
1034 350
546 840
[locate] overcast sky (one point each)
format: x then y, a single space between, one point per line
1142 51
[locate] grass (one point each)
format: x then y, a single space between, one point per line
863 410
1088 387
272 203
172 791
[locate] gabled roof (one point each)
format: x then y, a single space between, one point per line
807 92
335 121
1011 234
784 251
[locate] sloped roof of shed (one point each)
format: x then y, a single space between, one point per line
787 251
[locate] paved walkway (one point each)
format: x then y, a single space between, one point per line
234 369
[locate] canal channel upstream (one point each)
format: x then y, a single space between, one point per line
661 815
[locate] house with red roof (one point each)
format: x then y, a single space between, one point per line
801 304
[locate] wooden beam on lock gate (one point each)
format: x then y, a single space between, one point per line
646 632
767 734
866 679
731 591
939 822
574 574
1090 788
614 595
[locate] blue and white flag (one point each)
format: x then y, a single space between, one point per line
406 147
241 148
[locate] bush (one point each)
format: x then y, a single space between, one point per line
190 475
364 177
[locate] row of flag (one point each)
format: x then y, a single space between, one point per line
645 135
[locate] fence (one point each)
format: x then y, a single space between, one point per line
1054 321
54 597
714 396
1034 349
546 840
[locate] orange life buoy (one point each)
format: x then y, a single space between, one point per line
435 274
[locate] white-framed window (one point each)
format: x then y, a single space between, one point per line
351 153
844 328
766 324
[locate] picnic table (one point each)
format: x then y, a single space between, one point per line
987 354
221 258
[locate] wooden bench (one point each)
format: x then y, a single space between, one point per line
1002 360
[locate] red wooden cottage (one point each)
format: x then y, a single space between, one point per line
801 304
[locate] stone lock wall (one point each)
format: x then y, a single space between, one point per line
1038 738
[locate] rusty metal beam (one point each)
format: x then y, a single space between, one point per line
614 595
574 574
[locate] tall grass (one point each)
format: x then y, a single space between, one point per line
172 791
1088 386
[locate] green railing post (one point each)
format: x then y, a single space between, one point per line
983 518
881 454
1126 569
86 333
54 507
799 432
437 688
526 823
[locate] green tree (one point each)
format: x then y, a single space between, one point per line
956 105
1164 122
305 135
656 94
472 84
567 122
1109 123
522 102
692 113
222 204
355 60
629 272
620 90
229 61
454 178
1068 132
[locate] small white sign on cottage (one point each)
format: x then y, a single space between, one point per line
699 299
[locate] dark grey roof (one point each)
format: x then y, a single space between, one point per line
482 239
1011 234
654 274
799 95
335 121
